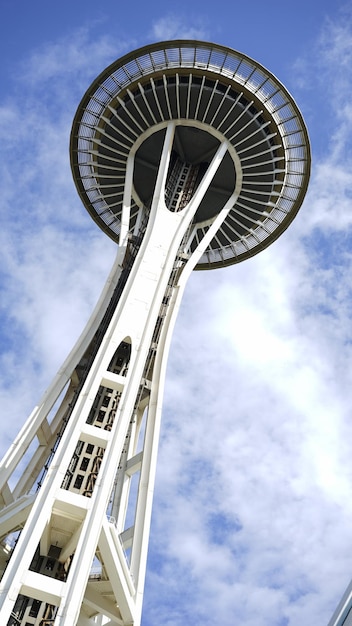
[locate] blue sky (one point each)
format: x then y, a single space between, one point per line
252 515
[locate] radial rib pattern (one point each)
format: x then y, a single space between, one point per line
213 94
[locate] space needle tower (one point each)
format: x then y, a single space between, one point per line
189 155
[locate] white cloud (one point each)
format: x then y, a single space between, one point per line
172 26
79 54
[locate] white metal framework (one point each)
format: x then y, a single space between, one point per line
189 155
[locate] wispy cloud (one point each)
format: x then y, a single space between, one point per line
52 255
172 26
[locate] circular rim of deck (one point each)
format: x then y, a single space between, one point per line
276 135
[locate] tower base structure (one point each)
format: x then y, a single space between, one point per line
189 155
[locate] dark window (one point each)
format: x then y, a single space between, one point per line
78 481
84 464
100 416
105 401
36 604
89 448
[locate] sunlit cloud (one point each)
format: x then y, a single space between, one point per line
172 26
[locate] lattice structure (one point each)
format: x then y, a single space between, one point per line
189 155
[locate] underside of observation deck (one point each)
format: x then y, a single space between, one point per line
213 94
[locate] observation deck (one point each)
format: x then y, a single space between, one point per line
213 94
